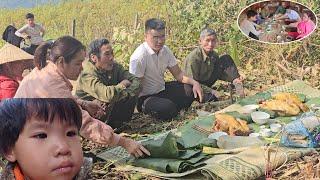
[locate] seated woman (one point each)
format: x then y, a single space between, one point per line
248 26
50 79
13 61
304 27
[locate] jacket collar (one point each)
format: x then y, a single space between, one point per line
51 67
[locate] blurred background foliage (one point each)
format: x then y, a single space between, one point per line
122 21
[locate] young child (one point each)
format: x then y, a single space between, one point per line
39 139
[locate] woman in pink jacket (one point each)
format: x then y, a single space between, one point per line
304 27
50 79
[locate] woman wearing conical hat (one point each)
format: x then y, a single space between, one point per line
13 61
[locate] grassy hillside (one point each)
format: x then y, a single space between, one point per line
122 22
94 18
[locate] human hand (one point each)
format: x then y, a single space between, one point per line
98 132
239 86
125 83
240 79
197 91
216 94
94 108
133 147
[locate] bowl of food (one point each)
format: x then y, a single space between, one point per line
275 127
247 109
260 117
254 135
266 132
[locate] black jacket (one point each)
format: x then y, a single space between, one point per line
9 36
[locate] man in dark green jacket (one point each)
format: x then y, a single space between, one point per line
105 80
204 65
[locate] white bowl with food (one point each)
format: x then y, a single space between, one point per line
266 132
254 135
275 127
260 117
247 109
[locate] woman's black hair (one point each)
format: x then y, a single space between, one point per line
65 46
309 14
15 112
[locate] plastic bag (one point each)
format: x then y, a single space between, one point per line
304 132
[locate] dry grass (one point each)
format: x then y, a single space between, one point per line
262 65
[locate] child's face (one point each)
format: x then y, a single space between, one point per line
48 150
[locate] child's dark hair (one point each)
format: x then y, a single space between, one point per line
15 112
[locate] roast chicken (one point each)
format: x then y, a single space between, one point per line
230 125
285 104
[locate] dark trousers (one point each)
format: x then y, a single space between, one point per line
253 36
31 49
224 69
166 104
120 112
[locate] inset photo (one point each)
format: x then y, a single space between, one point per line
277 22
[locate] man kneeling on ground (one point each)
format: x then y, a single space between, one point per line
107 81
149 62
206 67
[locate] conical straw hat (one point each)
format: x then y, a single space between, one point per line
10 53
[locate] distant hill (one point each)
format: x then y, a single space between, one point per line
12 4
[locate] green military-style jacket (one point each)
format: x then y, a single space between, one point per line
200 67
104 85
280 10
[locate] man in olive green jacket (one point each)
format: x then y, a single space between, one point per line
105 80
204 65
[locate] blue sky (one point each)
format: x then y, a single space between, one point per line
23 3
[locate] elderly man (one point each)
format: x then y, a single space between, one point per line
206 67
105 80
149 62
31 31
